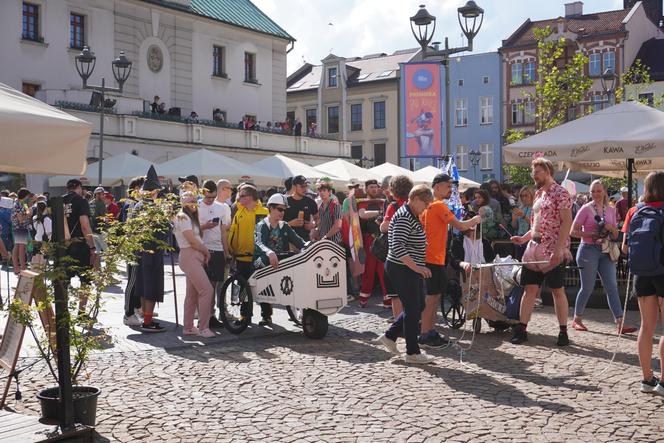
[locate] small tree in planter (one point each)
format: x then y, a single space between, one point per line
123 241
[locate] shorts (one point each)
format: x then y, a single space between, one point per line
649 285
20 236
554 279
79 254
437 284
216 266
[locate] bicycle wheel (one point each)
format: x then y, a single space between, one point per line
295 315
235 304
451 307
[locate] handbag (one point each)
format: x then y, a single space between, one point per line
379 247
535 253
611 248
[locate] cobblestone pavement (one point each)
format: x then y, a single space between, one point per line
280 386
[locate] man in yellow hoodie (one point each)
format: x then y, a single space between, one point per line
241 236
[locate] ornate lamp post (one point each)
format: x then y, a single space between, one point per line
474 156
423 26
85 65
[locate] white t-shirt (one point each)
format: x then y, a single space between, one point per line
212 237
181 224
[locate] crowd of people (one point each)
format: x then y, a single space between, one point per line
402 242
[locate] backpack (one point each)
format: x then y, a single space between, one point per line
646 229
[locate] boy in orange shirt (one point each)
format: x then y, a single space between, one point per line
436 221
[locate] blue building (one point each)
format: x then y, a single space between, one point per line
476 134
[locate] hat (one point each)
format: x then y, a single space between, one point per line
74 183
440 178
151 180
99 190
108 195
624 189
278 199
370 182
300 180
189 178
353 183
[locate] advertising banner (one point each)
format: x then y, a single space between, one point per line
421 114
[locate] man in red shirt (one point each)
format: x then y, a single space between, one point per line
111 207
436 221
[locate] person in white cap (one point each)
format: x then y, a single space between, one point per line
621 206
273 237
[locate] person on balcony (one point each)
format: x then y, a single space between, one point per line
157 106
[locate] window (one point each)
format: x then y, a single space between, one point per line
356 152
332 77
332 119
363 76
462 157
76 31
599 102
385 74
529 73
486 157
311 117
517 73
219 61
485 79
31 89
609 59
379 115
31 22
461 82
486 110
379 154
647 98
250 67
461 112
356 117
517 114
594 65
529 112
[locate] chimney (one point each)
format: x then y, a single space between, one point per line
573 9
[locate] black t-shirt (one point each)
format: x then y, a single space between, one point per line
308 208
75 206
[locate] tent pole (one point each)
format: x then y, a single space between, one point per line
630 167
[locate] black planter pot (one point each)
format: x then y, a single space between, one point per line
85 404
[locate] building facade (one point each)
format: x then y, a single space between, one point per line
610 40
354 99
196 55
651 56
475 126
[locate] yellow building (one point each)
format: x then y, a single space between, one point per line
354 99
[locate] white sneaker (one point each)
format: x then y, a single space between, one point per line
391 345
659 389
420 359
132 320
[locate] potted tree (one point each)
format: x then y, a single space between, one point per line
120 244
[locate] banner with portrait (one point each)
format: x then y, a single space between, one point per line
421 109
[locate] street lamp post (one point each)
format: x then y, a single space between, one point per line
85 63
474 156
472 16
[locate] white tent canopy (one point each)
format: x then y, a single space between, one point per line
206 165
600 143
347 171
284 167
390 169
38 138
427 173
119 169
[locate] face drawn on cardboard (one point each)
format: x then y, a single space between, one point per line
327 269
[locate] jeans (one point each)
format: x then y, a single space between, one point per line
410 288
591 260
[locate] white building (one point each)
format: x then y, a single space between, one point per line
196 55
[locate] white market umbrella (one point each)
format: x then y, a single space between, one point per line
210 165
346 171
38 138
386 169
427 173
601 142
118 170
284 167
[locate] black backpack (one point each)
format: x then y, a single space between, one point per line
646 236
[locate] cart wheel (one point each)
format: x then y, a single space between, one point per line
314 324
295 315
235 304
477 325
451 307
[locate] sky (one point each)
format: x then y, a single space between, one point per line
354 28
